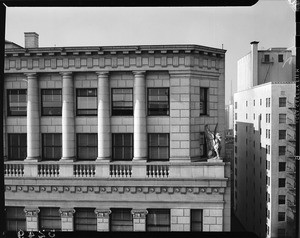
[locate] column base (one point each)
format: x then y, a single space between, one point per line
103 159
67 159
33 159
139 159
215 160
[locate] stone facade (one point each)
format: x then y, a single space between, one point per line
103 184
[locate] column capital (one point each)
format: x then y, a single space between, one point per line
66 212
139 213
102 212
31 211
68 73
31 75
139 72
102 73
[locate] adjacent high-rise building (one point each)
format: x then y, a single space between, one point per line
264 134
112 138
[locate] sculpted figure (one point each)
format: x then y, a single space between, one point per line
213 142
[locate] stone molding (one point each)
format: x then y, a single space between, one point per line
115 189
66 212
102 212
139 213
31 211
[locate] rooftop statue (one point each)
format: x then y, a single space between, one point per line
213 142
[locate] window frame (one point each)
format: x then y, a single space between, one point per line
205 101
155 226
280 119
42 101
281 216
87 146
281 166
282 101
149 101
192 222
123 146
281 181
53 140
20 221
120 112
281 199
89 221
8 93
149 147
280 58
112 219
281 133
93 110
48 218
280 150
19 147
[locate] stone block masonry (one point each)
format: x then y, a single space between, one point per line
180 219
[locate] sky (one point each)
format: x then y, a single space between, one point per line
271 22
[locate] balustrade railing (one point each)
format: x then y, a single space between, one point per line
48 170
14 170
138 170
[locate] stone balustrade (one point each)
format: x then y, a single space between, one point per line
147 170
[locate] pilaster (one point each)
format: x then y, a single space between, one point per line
68 123
104 131
33 118
67 219
102 219
32 221
139 219
139 117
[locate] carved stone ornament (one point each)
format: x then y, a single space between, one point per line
102 213
66 212
31 211
213 142
139 213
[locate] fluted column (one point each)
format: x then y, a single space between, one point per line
139 115
68 125
104 132
33 118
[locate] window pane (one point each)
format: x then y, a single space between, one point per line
17 146
87 146
158 220
17 102
121 220
158 101
122 146
196 220
158 146
85 219
52 146
15 218
49 219
122 102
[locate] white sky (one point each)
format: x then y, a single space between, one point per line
271 22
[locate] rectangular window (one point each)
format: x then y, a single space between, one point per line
87 146
235 116
121 220
280 58
122 102
203 152
158 101
246 103
158 147
49 219
268 149
268 214
268 102
268 164
196 220
281 166
282 134
86 102
282 118
281 199
203 101
122 146
281 182
281 150
281 216
282 102
17 102
235 105
17 146
51 102
85 219
260 102
268 180
266 58
158 220
253 102
52 144
15 218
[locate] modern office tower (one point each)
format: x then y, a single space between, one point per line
264 121
112 138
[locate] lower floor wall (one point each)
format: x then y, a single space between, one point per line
114 219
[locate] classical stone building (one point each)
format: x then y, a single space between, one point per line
112 138
265 139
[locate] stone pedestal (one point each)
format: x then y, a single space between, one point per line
33 118
215 160
139 117
32 221
104 131
102 219
139 219
67 219
68 124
